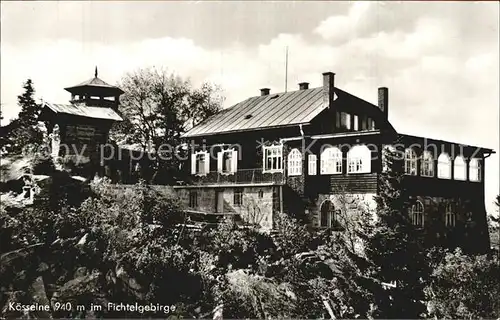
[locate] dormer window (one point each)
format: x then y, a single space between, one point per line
343 120
371 124
200 163
347 120
272 158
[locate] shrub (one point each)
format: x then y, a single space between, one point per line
464 287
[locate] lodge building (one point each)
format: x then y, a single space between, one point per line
317 152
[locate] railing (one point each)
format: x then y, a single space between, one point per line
244 176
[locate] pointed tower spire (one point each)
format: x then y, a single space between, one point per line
95 74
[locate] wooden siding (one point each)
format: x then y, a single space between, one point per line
357 183
331 184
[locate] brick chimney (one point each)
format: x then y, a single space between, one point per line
383 100
328 85
303 85
265 91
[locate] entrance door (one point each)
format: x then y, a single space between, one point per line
327 212
219 201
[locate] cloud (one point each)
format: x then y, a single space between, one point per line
341 28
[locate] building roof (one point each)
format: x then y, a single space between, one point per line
269 111
94 83
83 111
272 110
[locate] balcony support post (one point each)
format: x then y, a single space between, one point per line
281 199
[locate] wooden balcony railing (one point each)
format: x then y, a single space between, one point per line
244 176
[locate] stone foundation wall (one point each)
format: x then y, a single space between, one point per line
256 207
349 204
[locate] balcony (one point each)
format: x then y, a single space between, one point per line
244 176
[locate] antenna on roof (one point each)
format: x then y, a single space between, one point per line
95 74
286 69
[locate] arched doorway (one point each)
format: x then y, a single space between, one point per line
327 214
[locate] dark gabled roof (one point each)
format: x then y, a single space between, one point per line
94 83
273 110
83 111
270 111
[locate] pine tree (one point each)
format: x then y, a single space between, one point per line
394 249
29 108
25 129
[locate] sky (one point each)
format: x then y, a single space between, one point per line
440 60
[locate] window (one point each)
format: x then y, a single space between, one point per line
261 194
331 161
200 163
459 168
427 165
273 158
343 120
294 163
364 124
238 197
359 159
227 161
444 166
474 170
469 216
450 216
313 164
410 162
356 123
371 124
417 214
347 121
193 199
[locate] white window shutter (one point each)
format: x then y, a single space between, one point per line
234 160
366 161
264 158
207 163
193 163
219 161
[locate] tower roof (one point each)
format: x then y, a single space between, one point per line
95 86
